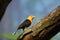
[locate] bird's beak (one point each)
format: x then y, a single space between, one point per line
33 16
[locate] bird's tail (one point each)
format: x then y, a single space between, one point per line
15 32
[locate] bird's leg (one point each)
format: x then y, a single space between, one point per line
26 30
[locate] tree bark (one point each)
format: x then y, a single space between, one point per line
3 6
46 28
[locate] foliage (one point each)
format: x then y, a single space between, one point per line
10 36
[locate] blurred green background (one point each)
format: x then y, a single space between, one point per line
18 10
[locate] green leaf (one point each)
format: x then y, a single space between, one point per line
10 36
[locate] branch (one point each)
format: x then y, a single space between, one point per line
3 6
46 28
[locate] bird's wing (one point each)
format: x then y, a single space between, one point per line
24 24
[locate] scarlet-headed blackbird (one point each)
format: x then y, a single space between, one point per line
26 23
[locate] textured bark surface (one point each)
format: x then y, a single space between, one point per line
46 28
3 6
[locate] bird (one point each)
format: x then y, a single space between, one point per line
26 23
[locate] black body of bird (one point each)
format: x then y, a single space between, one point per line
26 23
